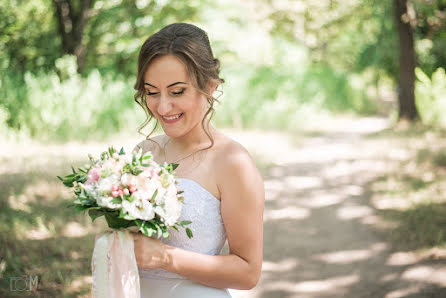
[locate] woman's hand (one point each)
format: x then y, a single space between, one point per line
150 252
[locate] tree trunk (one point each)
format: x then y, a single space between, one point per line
71 26
406 78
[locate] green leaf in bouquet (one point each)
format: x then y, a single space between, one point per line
189 233
154 195
83 170
80 208
95 213
149 232
122 213
139 222
137 171
127 168
184 222
87 201
131 198
174 166
94 207
103 155
121 152
115 222
166 234
111 150
175 227
159 231
116 200
74 172
126 216
180 192
147 156
143 226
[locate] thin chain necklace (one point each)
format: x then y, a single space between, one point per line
164 153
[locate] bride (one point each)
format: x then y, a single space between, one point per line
223 189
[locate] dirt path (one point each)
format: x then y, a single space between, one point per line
321 230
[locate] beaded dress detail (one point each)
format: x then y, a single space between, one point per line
209 234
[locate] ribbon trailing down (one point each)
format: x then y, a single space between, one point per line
114 268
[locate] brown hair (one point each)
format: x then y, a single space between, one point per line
191 45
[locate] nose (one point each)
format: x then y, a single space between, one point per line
164 105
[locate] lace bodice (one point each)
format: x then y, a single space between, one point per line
209 234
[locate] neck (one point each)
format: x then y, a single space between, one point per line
194 139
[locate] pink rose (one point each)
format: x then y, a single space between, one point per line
93 175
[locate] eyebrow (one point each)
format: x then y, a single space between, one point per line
173 84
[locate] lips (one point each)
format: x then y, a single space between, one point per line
172 118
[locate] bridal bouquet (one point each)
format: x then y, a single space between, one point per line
129 190
133 193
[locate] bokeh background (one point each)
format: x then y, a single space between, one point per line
341 103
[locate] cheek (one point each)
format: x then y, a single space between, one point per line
150 104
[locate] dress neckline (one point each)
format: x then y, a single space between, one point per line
200 186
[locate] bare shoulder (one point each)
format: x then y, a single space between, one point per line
152 144
233 160
231 151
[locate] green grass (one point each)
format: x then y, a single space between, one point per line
34 240
420 181
421 226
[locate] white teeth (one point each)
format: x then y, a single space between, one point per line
173 117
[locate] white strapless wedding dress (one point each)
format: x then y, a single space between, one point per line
203 209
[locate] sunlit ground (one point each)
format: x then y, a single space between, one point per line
352 210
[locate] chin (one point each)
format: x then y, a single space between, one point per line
173 134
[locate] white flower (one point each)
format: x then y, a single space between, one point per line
147 185
107 202
87 187
160 211
139 208
173 210
105 184
171 190
127 179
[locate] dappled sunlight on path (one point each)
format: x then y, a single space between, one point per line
321 230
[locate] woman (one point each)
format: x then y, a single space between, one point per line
223 189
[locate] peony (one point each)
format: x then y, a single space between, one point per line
139 208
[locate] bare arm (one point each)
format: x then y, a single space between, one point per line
242 203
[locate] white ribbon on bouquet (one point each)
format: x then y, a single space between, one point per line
114 268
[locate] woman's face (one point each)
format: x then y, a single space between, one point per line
171 98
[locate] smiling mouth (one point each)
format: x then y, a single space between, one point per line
174 117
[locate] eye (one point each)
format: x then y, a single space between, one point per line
152 93
179 92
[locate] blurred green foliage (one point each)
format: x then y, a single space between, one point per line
431 97
281 63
